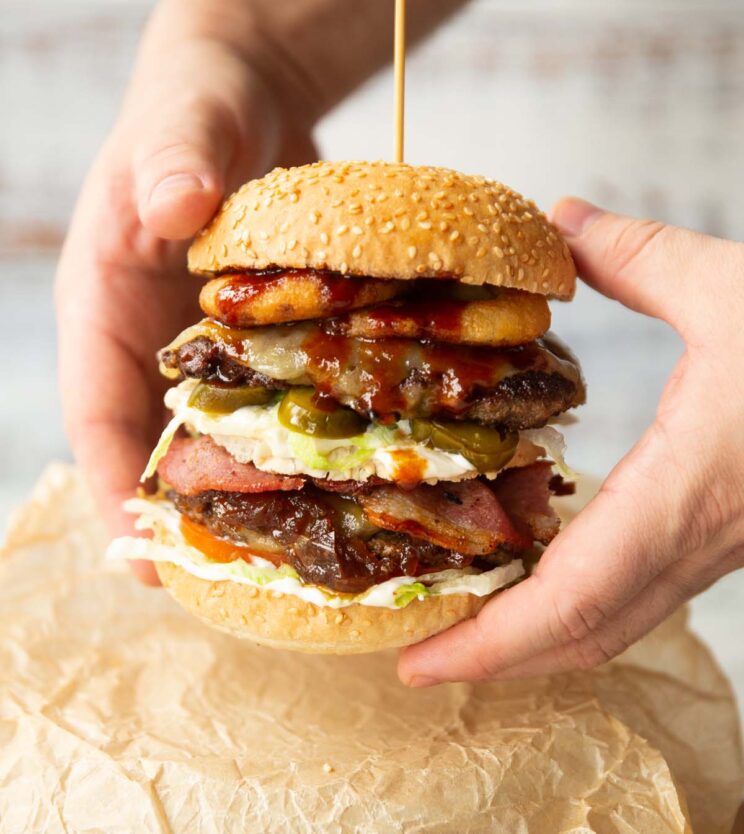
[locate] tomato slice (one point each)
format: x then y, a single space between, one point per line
220 550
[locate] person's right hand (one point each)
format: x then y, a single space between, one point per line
197 121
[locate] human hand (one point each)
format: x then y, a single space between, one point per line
669 520
197 121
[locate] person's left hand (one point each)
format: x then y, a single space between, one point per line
669 520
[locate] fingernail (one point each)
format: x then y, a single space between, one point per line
419 681
573 216
176 184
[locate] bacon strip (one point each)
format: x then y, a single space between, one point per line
195 465
525 494
465 516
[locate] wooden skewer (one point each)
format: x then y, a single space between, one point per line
400 76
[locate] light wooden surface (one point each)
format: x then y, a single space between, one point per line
637 105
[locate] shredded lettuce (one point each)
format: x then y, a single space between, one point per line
306 449
407 593
160 451
469 581
554 444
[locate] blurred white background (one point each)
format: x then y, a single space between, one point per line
635 104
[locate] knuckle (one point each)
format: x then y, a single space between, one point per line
576 618
484 655
633 242
595 651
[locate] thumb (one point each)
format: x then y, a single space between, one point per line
646 265
180 165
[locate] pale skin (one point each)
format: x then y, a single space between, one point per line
221 92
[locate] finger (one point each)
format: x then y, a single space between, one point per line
112 484
179 167
650 608
648 266
111 435
593 569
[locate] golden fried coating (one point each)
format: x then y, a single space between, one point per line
253 299
511 318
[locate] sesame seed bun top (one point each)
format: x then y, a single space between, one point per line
387 220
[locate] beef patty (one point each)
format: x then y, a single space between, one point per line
318 541
529 396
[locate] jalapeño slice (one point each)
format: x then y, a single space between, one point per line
302 410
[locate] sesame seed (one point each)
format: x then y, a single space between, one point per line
356 251
412 252
355 633
369 221
339 618
481 252
422 215
321 254
455 236
355 208
344 266
405 224
283 228
498 251
324 238
294 197
314 216
336 203
327 768
426 224
387 228
421 269
342 230
291 245
443 227
357 230
263 235
524 257
520 274
482 228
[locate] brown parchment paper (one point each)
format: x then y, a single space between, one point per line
119 712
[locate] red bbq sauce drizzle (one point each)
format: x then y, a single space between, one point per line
337 292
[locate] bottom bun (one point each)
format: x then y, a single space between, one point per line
283 621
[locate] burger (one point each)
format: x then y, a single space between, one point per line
361 453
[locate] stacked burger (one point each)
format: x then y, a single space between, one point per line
360 452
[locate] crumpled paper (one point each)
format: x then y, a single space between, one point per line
119 712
